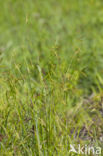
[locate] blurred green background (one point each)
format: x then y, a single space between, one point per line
31 28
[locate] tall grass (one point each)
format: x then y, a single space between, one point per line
51 76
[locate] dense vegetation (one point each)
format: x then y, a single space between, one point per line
51 76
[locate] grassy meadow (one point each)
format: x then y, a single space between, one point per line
51 76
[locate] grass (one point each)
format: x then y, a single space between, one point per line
51 76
